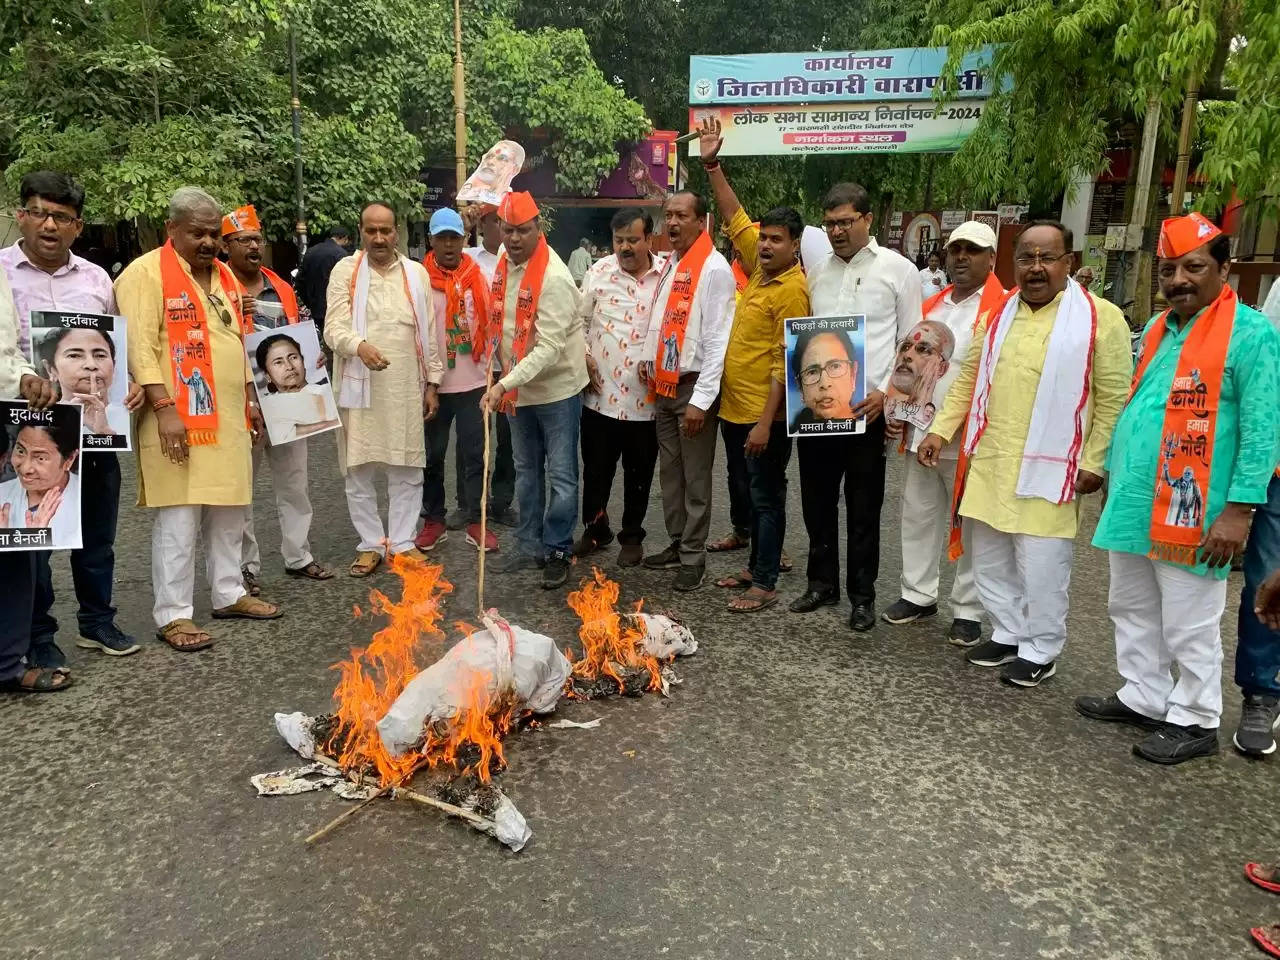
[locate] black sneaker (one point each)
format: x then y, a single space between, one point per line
689 578
506 516
992 654
668 559
1259 715
862 617
1114 710
516 561
904 611
964 633
1177 744
1024 673
556 572
114 642
456 520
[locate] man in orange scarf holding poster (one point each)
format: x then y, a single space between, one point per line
534 324
1192 455
200 419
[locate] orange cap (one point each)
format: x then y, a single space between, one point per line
1181 235
517 208
242 218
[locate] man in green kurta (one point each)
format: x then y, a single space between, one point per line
1192 454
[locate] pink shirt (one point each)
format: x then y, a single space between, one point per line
466 373
76 285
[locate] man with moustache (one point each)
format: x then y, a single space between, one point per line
194 465
952 315
858 276
270 302
388 368
683 363
617 416
1039 393
44 274
534 319
1204 408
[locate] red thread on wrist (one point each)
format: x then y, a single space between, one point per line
162 403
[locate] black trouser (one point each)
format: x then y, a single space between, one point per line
92 566
859 460
604 441
18 574
502 482
735 461
767 479
464 410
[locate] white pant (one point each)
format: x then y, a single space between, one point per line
293 505
1024 583
173 558
926 512
1164 615
404 493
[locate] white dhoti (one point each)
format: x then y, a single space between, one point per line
1166 614
1024 582
926 510
404 493
173 558
293 506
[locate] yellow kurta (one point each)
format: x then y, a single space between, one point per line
218 474
390 429
990 491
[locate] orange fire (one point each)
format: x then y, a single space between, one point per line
609 647
480 724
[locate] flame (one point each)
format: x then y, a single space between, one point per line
373 676
480 724
609 647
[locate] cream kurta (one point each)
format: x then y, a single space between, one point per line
390 429
218 474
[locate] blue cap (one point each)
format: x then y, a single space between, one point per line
446 220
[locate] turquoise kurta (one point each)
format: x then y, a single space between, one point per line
1246 437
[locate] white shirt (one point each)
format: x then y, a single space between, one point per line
707 335
878 282
488 262
615 315
931 282
65 528
959 319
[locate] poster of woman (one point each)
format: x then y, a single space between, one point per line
39 476
85 354
826 366
293 387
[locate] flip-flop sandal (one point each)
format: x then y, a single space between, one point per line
184 628
785 564
312 571
1267 939
41 682
365 563
1253 871
761 603
733 582
248 608
725 544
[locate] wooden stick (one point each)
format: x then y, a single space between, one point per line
347 813
399 793
484 481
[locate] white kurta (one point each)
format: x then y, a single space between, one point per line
390 430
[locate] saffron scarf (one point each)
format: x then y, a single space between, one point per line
1055 436
355 392
288 299
459 320
675 314
1190 423
526 310
190 349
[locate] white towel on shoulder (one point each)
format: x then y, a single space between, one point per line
355 392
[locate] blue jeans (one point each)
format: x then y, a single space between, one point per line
544 442
1257 647
767 481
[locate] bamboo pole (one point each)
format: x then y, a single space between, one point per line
1183 167
403 793
459 100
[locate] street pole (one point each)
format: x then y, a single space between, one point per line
459 101
296 106
1183 167
1135 239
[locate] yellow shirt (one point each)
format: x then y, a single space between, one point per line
756 357
989 493
218 474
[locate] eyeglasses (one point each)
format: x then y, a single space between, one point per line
223 313
246 241
834 369
40 216
1039 260
839 226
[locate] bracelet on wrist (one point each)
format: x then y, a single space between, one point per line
713 165
160 404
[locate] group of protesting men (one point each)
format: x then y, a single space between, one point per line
645 362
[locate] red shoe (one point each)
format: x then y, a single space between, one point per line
432 532
1263 876
490 538
1267 939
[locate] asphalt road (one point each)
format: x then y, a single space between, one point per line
806 793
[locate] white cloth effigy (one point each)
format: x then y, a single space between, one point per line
354 391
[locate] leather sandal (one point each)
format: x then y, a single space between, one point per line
365 563
184 636
312 571
38 680
249 608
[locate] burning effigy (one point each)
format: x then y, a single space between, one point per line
405 704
